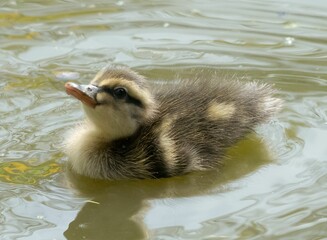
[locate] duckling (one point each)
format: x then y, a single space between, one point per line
134 130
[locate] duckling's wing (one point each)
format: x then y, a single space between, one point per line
202 118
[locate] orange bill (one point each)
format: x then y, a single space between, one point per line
81 93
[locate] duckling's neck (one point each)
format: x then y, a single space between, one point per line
109 133
110 125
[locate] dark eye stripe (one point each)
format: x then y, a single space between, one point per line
106 90
120 92
128 99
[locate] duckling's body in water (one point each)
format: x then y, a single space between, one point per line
133 131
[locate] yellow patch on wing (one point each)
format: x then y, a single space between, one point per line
220 111
167 143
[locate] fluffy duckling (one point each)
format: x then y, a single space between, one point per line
133 131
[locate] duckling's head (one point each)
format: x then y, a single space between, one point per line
117 102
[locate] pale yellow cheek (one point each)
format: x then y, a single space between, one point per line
104 98
220 111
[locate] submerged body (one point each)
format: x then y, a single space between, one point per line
134 131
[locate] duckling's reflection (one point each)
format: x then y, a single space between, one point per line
116 207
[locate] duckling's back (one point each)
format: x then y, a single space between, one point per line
199 119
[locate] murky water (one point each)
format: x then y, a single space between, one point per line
271 189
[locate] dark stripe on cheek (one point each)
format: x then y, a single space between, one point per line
134 101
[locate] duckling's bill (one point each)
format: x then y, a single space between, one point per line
85 93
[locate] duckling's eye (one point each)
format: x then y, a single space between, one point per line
120 92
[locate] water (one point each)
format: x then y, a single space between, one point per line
271 189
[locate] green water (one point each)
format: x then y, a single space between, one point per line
274 185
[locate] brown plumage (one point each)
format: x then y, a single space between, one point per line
133 130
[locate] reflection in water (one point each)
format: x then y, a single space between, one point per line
116 209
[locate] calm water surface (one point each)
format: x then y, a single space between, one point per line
274 185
